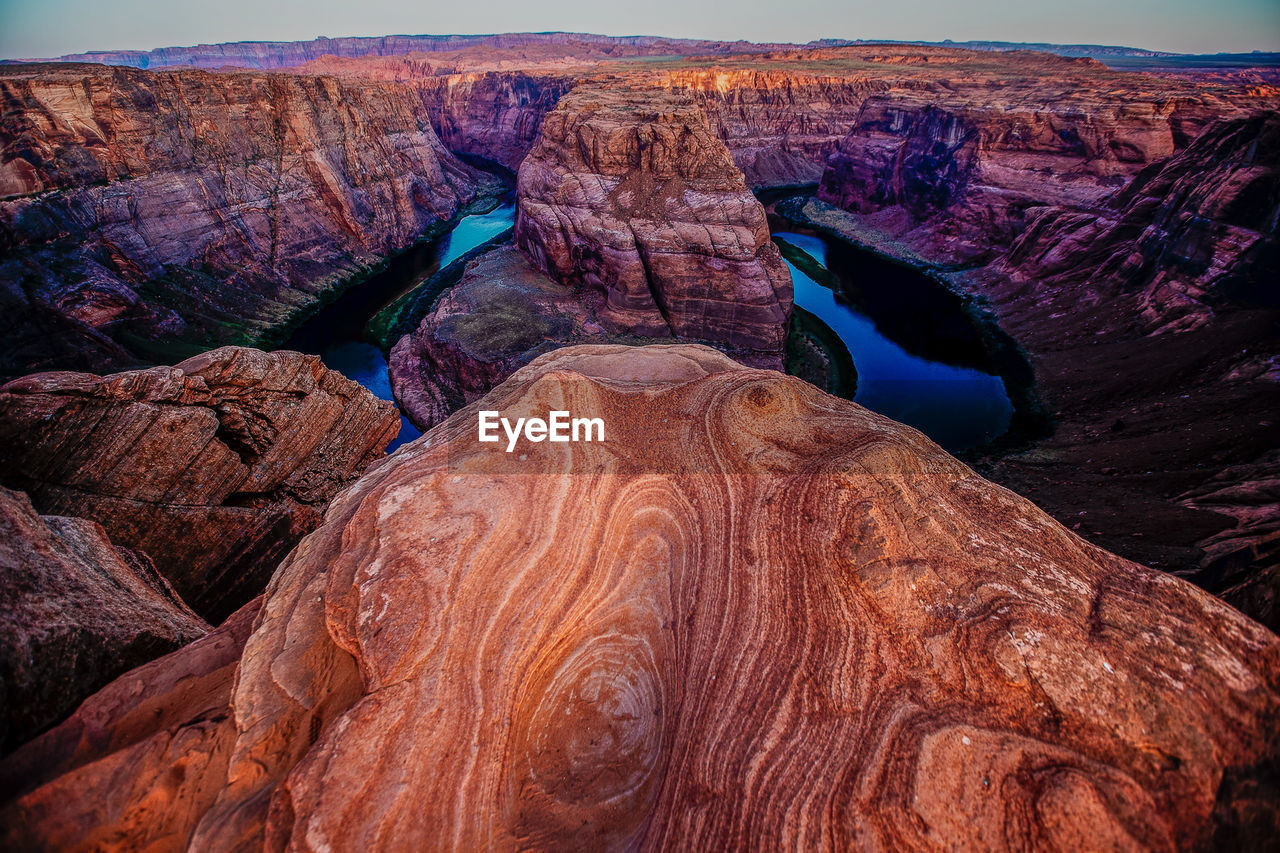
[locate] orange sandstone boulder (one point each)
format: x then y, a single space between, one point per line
214 468
753 617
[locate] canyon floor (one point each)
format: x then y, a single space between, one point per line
757 616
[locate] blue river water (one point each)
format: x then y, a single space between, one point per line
337 333
958 407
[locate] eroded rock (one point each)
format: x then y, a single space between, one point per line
628 194
755 615
214 468
75 612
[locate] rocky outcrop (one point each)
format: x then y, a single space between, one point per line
1190 231
138 762
1149 316
501 314
779 621
628 194
146 217
214 468
75 612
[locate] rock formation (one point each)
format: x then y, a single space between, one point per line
75 612
138 761
629 196
500 315
214 468
778 621
1191 230
1149 315
147 217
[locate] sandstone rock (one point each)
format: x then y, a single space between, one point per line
629 194
138 762
501 315
75 612
755 616
1191 231
214 468
149 216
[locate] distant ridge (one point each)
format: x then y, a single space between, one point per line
286 54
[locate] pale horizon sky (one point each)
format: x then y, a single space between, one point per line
48 28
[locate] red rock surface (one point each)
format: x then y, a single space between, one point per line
75 612
780 621
1149 315
152 216
214 468
138 762
628 194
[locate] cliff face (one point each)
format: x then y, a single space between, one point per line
213 468
778 618
956 180
75 612
276 54
493 115
1190 231
152 215
629 195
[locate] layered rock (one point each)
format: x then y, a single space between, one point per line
502 313
151 216
214 468
1190 231
75 612
629 195
139 761
775 620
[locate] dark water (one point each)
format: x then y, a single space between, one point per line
337 334
920 359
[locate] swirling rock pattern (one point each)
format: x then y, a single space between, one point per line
628 193
75 612
214 468
754 617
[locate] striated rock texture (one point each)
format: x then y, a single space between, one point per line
1192 230
138 762
147 217
777 622
629 195
75 612
214 468
502 314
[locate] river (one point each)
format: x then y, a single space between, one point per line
918 356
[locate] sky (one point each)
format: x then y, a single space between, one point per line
45 28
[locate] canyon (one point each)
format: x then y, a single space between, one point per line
781 617
149 217
214 468
755 610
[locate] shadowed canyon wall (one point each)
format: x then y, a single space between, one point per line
146 217
780 621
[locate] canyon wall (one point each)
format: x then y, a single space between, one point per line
779 620
630 197
1134 256
75 612
146 217
214 468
